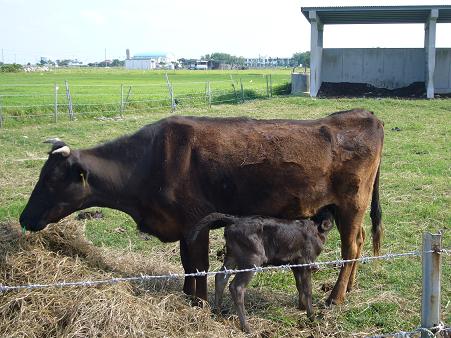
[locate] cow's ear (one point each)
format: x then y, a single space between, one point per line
78 168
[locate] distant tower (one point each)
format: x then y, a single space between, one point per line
127 53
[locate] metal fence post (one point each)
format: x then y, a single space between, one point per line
171 93
267 85
55 113
69 100
270 85
122 101
1 116
208 93
431 264
242 91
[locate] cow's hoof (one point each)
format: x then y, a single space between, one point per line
197 302
331 302
221 312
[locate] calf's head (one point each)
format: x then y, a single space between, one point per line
62 188
324 220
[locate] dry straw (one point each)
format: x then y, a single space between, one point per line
150 309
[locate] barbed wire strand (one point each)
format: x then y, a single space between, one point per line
406 334
316 265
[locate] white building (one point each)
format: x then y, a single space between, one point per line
267 62
147 61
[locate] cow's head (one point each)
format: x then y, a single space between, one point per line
62 188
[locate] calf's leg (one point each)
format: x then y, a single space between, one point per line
303 277
237 289
221 281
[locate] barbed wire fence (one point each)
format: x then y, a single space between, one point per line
431 254
67 101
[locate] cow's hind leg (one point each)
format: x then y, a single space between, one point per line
360 241
349 223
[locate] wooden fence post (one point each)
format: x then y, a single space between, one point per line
55 112
69 100
431 266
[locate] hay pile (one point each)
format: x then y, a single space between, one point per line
61 253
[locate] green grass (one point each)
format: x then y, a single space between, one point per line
415 197
26 97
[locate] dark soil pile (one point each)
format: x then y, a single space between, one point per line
347 89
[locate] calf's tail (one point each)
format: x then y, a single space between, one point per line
215 220
376 216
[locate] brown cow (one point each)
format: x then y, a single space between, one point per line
172 173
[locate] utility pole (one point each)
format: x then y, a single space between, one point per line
3 59
105 57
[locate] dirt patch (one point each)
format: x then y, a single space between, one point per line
347 89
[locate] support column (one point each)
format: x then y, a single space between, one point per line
429 49
316 52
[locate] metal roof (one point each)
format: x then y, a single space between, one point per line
378 14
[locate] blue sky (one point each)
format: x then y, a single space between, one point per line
83 29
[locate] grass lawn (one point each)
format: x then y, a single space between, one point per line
415 197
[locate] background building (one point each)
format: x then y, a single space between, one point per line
147 61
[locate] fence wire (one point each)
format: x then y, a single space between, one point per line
256 269
432 332
35 104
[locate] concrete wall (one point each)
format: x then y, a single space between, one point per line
442 75
384 67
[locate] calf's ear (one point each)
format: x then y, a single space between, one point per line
326 225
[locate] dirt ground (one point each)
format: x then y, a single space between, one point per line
347 89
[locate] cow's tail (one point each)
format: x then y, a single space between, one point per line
376 216
215 220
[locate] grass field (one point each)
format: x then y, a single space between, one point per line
415 197
30 96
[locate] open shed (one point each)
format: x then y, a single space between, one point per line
382 67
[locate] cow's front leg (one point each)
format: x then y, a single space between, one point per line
198 261
189 285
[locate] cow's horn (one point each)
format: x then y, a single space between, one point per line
53 140
65 151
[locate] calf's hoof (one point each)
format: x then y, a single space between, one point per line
246 328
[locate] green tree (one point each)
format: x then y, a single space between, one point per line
301 58
11 68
